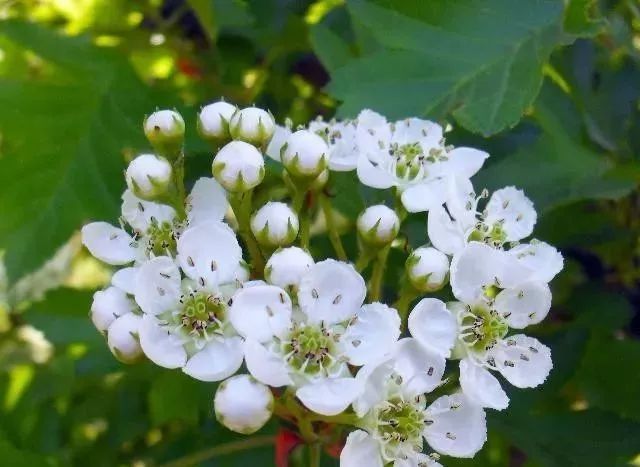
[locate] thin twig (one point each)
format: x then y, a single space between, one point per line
222 450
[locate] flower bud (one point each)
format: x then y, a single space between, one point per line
149 176
252 125
304 155
428 269
286 267
242 404
213 122
378 225
275 224
122 338
165 131
108 305
238 167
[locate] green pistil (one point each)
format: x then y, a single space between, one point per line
409 159
400 421
161 239
482 328
309 349
202 314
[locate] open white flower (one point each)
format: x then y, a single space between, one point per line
185 321
309 346
340 136
509 216
397 418
410 155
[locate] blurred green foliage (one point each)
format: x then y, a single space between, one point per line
550 88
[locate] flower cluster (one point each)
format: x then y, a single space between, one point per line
316 339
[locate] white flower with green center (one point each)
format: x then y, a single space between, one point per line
185 323
310 344
509 216
340 136
411 156
496 293
397 418
150 229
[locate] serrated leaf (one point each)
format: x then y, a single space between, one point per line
478 60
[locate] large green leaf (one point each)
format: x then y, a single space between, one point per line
480 60
64 142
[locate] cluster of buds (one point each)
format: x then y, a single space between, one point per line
225 276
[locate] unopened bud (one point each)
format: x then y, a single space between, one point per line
428 269
149 176
213 122
305 154
275 224
242 404
378 225
238 167
122 338
286 267
252 125
165 131
108 305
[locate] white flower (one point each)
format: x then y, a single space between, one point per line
310 346
153 227
509 216
185 321
122 338
213 121
287 266
149 176
238 166
242 404
165 131
305 154
341 139
378 224
410 155
543 260
253 125
396 418
275 224
427 269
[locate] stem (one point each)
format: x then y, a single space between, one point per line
315 453
176 195
221 450
241 205
408 294
377 276
334 237
303 210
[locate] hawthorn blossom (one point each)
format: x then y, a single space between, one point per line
340 136
308 340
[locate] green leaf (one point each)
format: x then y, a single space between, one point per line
479 60
14 457
582 19
64 142
175 396
331 49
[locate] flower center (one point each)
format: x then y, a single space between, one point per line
494 234
401 421
310 349
481 328
161 238
201 314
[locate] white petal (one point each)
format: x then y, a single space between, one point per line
516 212
374 176
280 136
433 326
207 202
444 232
109 244
373 335
157 286
125 279
420 368
465 162
331 291
264 365
478 265
459 427
525 304
522 360
426 195
122 338
462 203
109 304
139 213
160 346
209 252
481 387
360 450
261 312
416 459
373 381
542 259
218 360
329 396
